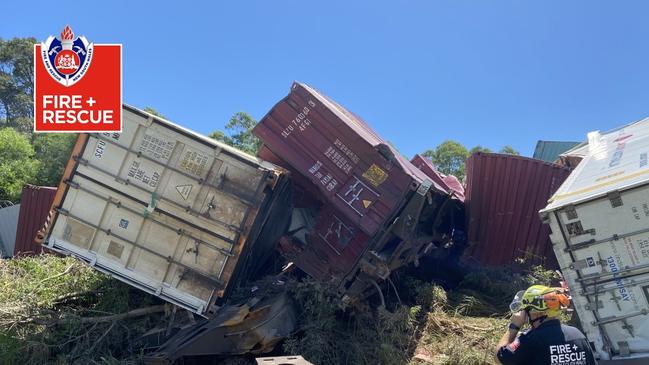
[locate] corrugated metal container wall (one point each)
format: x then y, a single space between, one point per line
503 196
169 211
8 225
356 170
35 204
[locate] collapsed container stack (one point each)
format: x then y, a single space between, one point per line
361 209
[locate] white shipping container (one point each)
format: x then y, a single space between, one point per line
164 209
599 219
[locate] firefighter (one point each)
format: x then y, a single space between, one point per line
547 342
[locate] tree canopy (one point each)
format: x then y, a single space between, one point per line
449 157
509 150
238 133
479 148
53 151
17 163
16 83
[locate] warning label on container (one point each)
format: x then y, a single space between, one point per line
375 175
184 190
194 162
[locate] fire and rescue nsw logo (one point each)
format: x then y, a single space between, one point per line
67 58
77 85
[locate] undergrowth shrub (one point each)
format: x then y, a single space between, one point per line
330 336
42 301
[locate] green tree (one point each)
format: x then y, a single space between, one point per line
509 150
479 148
53 152
153 111
239 133
449 158
17 163
16 83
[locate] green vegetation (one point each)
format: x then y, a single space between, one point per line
17 163
53 152
16 83
238 133
56 310
431 325
450 156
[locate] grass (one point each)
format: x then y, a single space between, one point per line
42 301
43 298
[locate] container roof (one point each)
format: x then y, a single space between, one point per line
549 151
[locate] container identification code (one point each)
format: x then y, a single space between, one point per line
300 122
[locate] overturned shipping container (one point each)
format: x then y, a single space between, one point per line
362 209
449 183
599 222
35 204
503 195
168 211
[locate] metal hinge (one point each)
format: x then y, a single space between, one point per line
571 212
624 348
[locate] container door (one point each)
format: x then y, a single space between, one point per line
606 262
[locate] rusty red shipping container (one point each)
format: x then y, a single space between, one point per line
358 172
503 196
35 204
449 183
374 211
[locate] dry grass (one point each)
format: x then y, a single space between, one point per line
448 338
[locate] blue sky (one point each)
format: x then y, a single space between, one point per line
479 72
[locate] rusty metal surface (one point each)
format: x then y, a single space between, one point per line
35 204
449 183
503 196
253 327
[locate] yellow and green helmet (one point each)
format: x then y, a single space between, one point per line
540 298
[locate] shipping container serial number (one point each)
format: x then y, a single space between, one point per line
300 122
136 173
